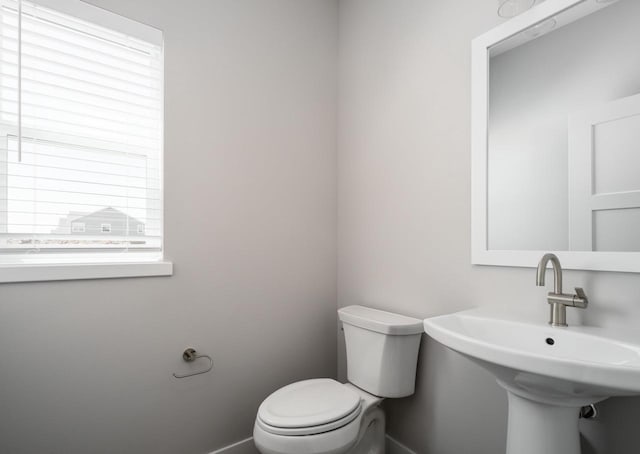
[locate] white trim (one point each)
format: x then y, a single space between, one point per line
480 254
104 18
395 447
245 446
34 273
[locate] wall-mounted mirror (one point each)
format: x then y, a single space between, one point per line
556 137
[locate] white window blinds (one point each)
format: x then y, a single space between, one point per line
81 114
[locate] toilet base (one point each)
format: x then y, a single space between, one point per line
371 439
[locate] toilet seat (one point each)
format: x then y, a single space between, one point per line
312 430
309 407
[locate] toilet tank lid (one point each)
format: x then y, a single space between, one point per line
380 321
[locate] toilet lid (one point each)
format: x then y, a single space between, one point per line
309 403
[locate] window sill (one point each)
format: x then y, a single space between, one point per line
73 271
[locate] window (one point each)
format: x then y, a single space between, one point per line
81 135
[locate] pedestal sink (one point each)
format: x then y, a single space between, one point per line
549 373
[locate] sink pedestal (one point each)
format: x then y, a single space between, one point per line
536 427
542 418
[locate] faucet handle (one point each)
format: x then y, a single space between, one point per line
580 299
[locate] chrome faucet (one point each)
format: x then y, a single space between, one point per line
559 301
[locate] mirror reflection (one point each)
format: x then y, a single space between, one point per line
564 133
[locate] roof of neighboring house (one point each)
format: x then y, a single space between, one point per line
106 214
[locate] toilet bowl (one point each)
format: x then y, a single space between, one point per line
323 416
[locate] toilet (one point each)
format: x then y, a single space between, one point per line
323 416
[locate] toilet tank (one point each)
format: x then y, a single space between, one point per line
382 350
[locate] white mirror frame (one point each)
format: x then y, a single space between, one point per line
480 254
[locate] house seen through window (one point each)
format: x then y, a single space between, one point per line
81 113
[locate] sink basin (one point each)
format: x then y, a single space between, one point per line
548 372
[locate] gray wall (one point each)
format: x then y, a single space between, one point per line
85 367
404 220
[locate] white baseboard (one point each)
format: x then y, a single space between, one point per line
395 447
245 446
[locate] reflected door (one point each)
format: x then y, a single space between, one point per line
604 177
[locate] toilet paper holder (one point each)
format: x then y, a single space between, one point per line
189 356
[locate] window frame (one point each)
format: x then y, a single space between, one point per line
34 272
